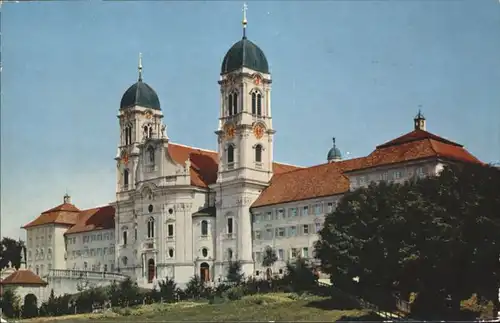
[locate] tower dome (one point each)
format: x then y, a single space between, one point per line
140 94
334 153
244 53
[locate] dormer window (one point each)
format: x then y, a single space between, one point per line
256 103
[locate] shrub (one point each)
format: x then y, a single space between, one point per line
195 288
168 289
10 303
30 307
235 293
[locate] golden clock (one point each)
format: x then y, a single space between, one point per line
258 131
124 157
148 114
229 131
257 79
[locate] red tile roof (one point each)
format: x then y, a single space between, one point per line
99 218
205 163
65 213
23 277
331 179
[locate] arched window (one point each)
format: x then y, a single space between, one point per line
37 270
258 154
256 103
151 228
124 237
151 155
230 105
150 132
135 233
204 252
235 103
171 253
125 178
229 254
204 228
125 261
259 104
230 154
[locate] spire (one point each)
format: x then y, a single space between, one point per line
140 67
333 142
244 21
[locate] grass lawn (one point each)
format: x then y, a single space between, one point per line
265 307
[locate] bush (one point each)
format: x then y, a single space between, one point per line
30 307
10 303
235 293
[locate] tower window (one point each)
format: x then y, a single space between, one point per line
204 228
151 228
232 103
258 154
230 226
128 135
150 132
125 178
256 103
230 154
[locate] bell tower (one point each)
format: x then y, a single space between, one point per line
245 146
140 118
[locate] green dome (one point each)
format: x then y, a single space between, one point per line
334 153
245 54
140 94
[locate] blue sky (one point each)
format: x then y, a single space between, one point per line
356 70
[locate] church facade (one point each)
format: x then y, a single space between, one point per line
182 211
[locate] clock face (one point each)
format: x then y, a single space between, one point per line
229 131
258 131
148 114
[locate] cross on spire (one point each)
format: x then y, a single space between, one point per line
244 21
140 67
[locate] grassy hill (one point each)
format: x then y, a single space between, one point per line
264 307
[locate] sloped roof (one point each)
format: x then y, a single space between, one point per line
65 213
332 178
205 163
99 218
23 277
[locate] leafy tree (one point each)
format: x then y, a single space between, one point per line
234 274
435 237
168 289
30 307
269 258
10 303
195 288
10 251
129 292
300 276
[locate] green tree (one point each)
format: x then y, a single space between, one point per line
10 251
168 289
10 303
434 236
195 288
300 276
234 274
269 258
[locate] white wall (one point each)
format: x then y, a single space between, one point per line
93 250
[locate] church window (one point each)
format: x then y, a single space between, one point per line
204 252
151 155
258 154
204 228
230 104
124 237
170 231
125 178
171 253
230 226
256 103
230 154
151 228
128 135
235 103
150 132
150 208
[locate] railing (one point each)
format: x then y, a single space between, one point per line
77 274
